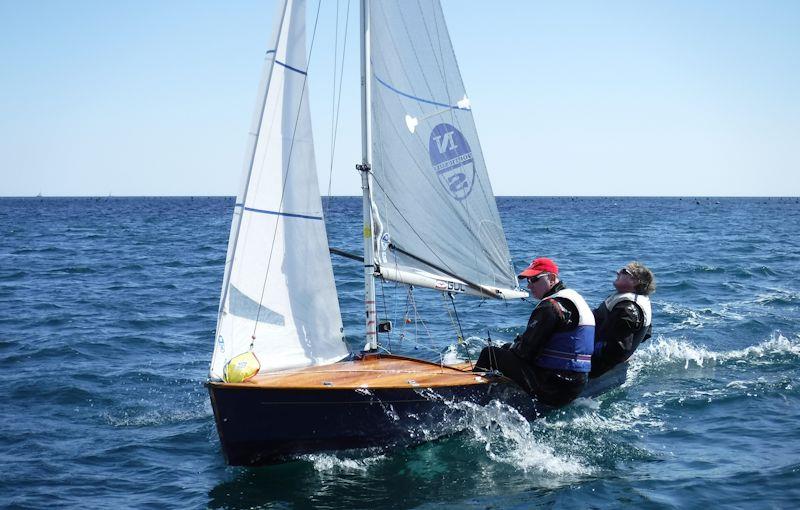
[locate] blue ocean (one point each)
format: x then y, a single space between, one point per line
107 315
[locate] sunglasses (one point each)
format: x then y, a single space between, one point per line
626 271
534 279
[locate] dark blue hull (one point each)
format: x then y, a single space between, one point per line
259 425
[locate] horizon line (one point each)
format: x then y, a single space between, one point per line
360 196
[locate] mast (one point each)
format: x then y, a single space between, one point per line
366 178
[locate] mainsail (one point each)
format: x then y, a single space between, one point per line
434 217
278 296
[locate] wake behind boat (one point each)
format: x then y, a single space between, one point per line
282 381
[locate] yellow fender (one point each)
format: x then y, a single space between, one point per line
241 368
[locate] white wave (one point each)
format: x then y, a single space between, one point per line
777 345
507 437
739 385
619 417
696 318
326 462
665 351
457 353
775 295
452 356
588 403
156 417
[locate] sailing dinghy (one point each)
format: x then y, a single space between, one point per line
282 381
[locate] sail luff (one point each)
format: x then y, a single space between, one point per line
236 222
280 300
254 132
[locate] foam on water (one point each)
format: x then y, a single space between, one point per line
765 364
778 296
665 351
507 437
777 346
357 461
621 416
156 417
693 318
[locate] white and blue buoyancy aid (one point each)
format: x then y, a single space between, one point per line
571 350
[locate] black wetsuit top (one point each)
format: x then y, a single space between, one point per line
621 330
517 360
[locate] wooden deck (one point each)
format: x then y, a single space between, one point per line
374 371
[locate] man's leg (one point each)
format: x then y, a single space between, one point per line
508 364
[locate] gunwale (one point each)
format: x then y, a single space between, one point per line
372 371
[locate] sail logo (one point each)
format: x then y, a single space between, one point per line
450 286
452 160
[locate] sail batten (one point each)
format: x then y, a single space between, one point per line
284 214
420 99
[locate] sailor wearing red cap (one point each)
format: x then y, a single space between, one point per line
552 358
624 319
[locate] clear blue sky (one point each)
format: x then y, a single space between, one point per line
154 97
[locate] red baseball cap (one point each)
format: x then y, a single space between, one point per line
538 266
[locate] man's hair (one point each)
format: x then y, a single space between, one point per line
645 281
553 277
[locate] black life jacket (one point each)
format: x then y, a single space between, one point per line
641 302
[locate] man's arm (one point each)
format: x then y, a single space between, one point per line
623 322
545 319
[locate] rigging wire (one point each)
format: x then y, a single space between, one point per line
460 331
334 98
419 320
333 102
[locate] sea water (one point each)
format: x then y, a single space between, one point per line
107 315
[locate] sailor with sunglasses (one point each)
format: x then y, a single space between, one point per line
552 358
624 319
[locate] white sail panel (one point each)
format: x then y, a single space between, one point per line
430 185
252 140
279 294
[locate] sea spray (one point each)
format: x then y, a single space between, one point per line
347 460
664 351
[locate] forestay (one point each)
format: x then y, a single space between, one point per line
278 292
432 196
